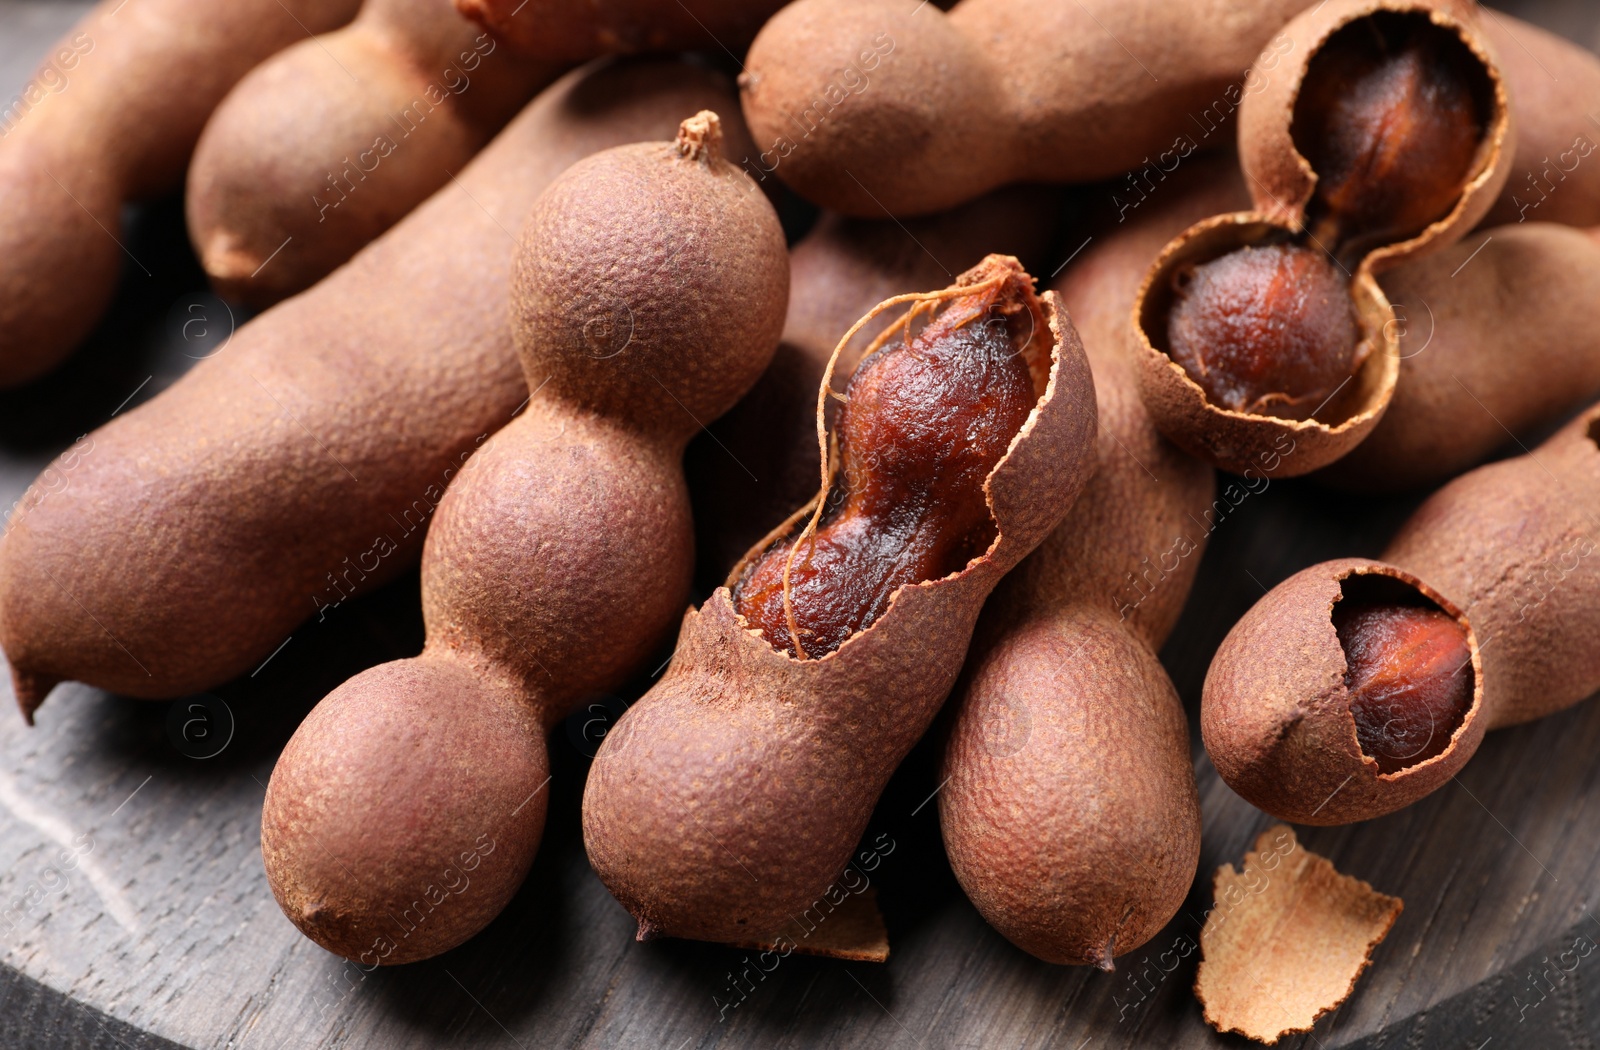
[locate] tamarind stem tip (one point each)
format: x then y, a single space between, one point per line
648 931
1105 964
700 137
30 691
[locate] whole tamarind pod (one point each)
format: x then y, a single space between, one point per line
110 117
562 31
301 464
1387 134
1500 332
1554 84
281 193
648 293
759 461
729 797
1356 687
1069 807
874 106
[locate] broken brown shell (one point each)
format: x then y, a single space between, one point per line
730 796
1282 183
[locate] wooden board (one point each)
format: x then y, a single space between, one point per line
134 912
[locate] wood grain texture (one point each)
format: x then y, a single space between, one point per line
158 931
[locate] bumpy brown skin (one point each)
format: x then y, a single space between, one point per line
763 460
321 149
119 104
1070 814
1507 341
730 796
317 442
561 555
1554 84
923 110
1511 549
1283 184
568 31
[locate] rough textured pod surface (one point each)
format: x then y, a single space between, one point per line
267 485
1275 713
1500 332
1068 765
111 117
731 795
564 31
561 554
866 107
281 193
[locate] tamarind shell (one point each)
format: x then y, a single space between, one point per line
135 92
869 107
232 497
281 193
730 795
562 31
562 552
1069 810
1500 333
1275 711
1553 84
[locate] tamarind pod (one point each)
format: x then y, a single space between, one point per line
1506 550
323 147
1554 88
729 797
300 464
110 116
1500 333
561 554
1069 810
891 106
759 461
561 31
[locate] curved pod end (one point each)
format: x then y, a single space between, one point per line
1276 712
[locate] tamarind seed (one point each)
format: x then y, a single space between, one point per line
1410 679
924 426
1265 329
1389 120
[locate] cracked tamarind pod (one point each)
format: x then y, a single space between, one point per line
869 107
282 193
560 556
300 465
563 31
1386 136
111 117
1069 811
1356 687
731 795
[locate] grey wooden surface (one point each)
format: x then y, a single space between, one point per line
134 911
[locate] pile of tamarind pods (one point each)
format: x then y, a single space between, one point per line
884 471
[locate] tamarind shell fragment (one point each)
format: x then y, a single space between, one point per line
1069 810
264 486
730 796
1283 187
1508 550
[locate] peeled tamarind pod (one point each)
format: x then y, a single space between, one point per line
730 796
884 105
1554 87
1500 332
1069 809
301 464
110 117
1356 687
282 194
760 460
1386 135
563 31
648 293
